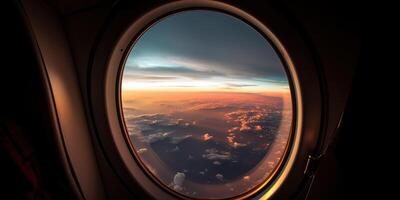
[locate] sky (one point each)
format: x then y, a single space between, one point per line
203 50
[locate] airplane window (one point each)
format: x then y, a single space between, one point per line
207 105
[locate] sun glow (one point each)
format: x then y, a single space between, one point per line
200 85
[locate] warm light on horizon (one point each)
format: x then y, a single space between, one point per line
198 86
213 84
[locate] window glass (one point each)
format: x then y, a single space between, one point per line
206 104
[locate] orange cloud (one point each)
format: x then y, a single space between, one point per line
207 136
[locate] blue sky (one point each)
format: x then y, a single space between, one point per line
203 50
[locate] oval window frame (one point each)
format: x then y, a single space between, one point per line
288 74
113 106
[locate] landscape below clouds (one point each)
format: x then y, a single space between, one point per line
229 140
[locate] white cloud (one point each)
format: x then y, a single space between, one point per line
175 149
219 177
156 137
142 150
217 163
178 139
178 180
214 154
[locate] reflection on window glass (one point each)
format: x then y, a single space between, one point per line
207 104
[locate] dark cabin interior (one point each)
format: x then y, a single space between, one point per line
351 169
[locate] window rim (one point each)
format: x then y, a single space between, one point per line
269 186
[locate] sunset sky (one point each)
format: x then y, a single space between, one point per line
203 51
